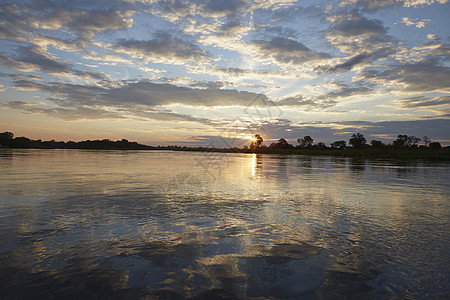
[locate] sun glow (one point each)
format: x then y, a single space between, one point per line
252 138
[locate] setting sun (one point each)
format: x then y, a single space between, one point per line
252 138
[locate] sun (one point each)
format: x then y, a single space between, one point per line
252 138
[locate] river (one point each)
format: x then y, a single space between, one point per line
174 225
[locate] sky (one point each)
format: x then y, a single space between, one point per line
214 72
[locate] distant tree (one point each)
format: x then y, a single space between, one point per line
282 144
376 144
435 145
320 145
21 142
357 140
306 141
426 140
412 141
6 138
400 142
339 145
257 141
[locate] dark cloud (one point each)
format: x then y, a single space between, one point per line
280 31
424 76
152 95
36 56
374 5
13 24
288 51
164 45
29 58
223 7
353 33
363 59
28 16
141 93
86 23
354 25
83 112
422 101
346 91
69 114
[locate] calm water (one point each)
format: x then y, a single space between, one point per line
173 225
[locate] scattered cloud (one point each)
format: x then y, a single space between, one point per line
372 5
414 22
163 48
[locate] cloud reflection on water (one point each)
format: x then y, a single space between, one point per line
133 224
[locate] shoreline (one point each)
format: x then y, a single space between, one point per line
397 154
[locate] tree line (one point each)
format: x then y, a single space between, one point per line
356 141
8 140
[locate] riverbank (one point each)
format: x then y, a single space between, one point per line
389 153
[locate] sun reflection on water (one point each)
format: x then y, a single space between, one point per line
253 165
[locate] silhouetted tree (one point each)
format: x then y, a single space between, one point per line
339 144
282 144
21 142
412 141
320 145
435 145
305 141
357 140
400 142
256 143
426 140
376 144
6 138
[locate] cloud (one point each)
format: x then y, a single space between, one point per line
307 102
85 23
72 16
288 51
359 59
373 5
353 33
83 112
414 22
69 114
353 25
140 93
424 76
222 8
163 48
422 101
31 58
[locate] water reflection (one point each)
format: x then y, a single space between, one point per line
113 224
253 165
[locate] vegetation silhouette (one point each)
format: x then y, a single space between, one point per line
404 147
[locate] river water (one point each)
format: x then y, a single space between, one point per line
86 224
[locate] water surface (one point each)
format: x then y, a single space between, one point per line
174 225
